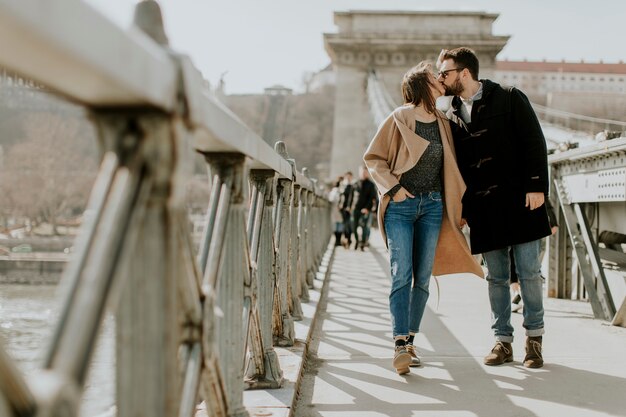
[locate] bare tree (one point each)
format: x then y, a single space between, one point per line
48 173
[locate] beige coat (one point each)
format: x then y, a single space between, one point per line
395 149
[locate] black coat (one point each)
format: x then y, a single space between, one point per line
367 195
502 156
347 198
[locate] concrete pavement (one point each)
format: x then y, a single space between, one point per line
349 371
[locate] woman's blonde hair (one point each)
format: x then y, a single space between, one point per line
416 87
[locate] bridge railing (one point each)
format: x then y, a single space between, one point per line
188 324
578 122
587 259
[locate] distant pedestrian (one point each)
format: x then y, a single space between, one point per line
412 162
334 196
345 204
503 158
366 198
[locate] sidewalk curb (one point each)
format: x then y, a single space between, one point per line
330 252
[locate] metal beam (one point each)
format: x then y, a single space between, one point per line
600 149
220 130
71 48
602 286
588 259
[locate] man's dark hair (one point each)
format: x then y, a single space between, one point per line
464 58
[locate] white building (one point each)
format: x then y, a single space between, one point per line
539 78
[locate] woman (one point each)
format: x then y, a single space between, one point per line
334 196
411 159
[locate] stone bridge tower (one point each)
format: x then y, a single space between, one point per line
391 42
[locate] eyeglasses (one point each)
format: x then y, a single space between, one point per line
444 74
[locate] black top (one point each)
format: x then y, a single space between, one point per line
425 176
347 197
367 195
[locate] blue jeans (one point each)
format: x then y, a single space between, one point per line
368 227
528 268
412 228
361 220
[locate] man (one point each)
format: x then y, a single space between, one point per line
502 156
345 207
362 208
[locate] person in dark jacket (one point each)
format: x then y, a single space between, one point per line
345 207
502 156
363 207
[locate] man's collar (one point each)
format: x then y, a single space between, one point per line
477 96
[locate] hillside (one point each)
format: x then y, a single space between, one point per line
303 121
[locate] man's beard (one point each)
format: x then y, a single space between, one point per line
455 89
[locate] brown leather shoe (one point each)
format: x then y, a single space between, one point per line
415 360
502 352
401 360
533 358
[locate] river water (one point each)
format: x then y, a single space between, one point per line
28 314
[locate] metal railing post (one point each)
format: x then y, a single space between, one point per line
302 246
309 243
148 380
284 328
227 270
294 254
264 369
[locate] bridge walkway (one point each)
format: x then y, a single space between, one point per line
349 372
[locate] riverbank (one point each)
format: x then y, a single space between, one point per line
32 268
35 260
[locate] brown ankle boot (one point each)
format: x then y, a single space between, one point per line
533 358
401 360
502 352
415 359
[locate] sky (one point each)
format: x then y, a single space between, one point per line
259 43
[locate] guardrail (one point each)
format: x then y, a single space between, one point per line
578 122
187 324
587 258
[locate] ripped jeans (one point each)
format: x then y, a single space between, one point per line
412 228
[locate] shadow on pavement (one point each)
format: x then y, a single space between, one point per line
351 375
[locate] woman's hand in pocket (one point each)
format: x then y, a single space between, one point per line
402 195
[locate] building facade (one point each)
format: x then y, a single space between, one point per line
538 79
